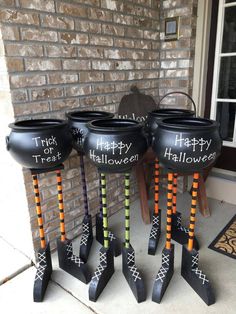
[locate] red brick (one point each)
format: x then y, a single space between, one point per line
124 65
74 38
42 65
46 93
76 64
115 76
123 19
30 108
18 17
24 50
90 52
60 22
14 64
112 5
88 26
19 95
18 81
102 65
92 101
10 32
65 104
78 90
61 51
91 77
101 40
42 5
8 3
38 34
72 10
103 88
124 43
62 78
98 14
109 29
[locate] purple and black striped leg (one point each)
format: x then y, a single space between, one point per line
115 243
87 230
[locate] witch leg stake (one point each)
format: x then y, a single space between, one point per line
44 269
129 268
179 233
67 260
166 271
156 218
189 268
105 269
114 242
87 234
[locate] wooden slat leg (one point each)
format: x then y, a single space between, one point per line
202 198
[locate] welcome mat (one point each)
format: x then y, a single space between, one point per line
225 242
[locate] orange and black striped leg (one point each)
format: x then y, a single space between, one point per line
105 269
129 268
166 271
189 268
87 234
114 241
67 260
156 217
179 232
44 269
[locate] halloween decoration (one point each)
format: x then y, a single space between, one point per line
196 144
78 125
42 146
179 233
115 146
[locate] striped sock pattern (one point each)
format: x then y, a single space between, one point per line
61 205
127 210
193 211
104 210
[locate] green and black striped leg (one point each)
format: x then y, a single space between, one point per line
69 262
179 233
129 268
189 268
87 229
114 241
44 269
105 269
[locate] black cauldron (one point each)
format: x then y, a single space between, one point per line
78 120
156 116
39 144
187 144
115 145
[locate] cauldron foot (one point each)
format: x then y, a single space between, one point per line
164 274
103 273
87 238
114 242
70 263
155 233
43 273
180 233
132 275
195 277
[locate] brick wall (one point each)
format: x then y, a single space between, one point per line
64 55
176 57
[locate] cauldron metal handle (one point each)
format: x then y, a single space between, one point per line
183 93
7 142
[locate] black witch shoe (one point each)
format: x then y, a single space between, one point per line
180 233
71 263
155 233
114 242
103 273
86 239
43 273
164 274
195 277
132 274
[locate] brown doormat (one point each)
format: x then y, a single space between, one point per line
225 242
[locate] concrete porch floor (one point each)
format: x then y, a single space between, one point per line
65 294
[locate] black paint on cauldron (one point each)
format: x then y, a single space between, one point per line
115 145
156 116
78 120
39 144
187 144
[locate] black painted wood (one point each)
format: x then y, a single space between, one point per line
195 277
164 274
71 263
43 274
180 233
87 238
114 242
102 275
132 274
155 233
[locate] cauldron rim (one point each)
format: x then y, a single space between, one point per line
88 115
37 124
131 125
185 123
165 112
